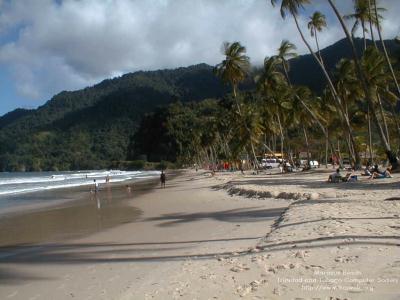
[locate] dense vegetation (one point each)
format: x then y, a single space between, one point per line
341 100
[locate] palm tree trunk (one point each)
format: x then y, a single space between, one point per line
332 88
364 37
370 24
248 130
391 156
319 51
326 151
236 101
368 110
384 50
307 146
383 116
369 135
286 73
282 137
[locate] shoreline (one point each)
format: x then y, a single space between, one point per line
58 196
78 209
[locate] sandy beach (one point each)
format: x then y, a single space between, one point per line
230 236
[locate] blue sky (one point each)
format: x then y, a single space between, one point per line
47 46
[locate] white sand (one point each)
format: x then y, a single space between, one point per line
195 241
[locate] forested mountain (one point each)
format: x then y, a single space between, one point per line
92 128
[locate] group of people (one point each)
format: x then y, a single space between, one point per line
373 172
337 176
376 173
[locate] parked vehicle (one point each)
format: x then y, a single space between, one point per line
269 163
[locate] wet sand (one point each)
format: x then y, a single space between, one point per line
71 213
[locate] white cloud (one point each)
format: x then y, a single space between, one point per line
72 44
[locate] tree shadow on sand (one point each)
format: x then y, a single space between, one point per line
106 253
233 215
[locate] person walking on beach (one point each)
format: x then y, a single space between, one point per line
96 186
162 179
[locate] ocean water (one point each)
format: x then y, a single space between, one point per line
17 186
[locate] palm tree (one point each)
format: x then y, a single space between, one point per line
316 24
293 7
269 84
286 52
234 69
368 93
361 16
378 27
370 23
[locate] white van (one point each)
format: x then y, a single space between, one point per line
269 163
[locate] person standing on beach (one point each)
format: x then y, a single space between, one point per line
162 179
96 186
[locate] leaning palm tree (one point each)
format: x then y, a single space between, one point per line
368 92
269 85
235 67
293 7
361 16
378 27
316 24
286 51
233 70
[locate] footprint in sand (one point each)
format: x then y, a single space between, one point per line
239 268
245 289
301 254
346 259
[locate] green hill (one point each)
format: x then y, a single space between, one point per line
92 127
89 128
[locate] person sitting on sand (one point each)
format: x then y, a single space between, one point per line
367 171
376 169
350 177
335 177
385 174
